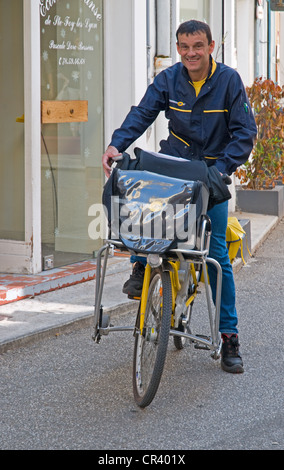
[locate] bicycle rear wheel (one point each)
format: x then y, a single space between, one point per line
150 347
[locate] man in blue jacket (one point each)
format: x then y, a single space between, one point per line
210 119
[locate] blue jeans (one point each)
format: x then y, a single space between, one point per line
218 251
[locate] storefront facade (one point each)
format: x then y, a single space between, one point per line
97 57
61 51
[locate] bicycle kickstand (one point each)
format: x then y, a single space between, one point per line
100 277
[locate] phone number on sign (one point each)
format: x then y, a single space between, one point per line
71 61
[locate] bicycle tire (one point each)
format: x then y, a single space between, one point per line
150 347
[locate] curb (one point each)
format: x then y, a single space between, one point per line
64 328
238 263
120 309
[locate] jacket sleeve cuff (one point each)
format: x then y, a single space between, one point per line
117 145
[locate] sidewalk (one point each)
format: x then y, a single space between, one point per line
60 300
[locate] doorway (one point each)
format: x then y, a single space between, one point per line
12 150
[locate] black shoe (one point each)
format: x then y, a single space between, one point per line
231 360
133 286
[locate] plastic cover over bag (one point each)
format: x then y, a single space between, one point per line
151 213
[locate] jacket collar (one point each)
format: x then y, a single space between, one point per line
212 69
211 78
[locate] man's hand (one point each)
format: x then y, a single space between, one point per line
107 159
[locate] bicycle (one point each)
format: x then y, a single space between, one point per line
170 287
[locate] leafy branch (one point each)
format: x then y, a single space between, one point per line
265 166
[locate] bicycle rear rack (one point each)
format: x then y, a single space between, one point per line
213 343
101 328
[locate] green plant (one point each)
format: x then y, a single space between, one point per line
265 167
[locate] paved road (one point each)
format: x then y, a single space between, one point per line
67 392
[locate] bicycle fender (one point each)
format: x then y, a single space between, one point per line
166 266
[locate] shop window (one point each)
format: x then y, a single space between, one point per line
194 9
72 177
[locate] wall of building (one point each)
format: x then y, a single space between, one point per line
125 60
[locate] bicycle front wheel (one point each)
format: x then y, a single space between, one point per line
150 347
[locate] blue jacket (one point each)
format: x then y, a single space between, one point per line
217 125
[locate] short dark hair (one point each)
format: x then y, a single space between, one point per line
193 27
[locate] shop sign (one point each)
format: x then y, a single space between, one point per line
46 5
70 30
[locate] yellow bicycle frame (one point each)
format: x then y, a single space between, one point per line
192 297
144 296
175 283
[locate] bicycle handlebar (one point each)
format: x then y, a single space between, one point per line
226 178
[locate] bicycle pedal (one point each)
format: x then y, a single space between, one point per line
202 346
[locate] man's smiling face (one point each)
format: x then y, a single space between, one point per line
195 54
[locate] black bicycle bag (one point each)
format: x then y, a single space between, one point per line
152 213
